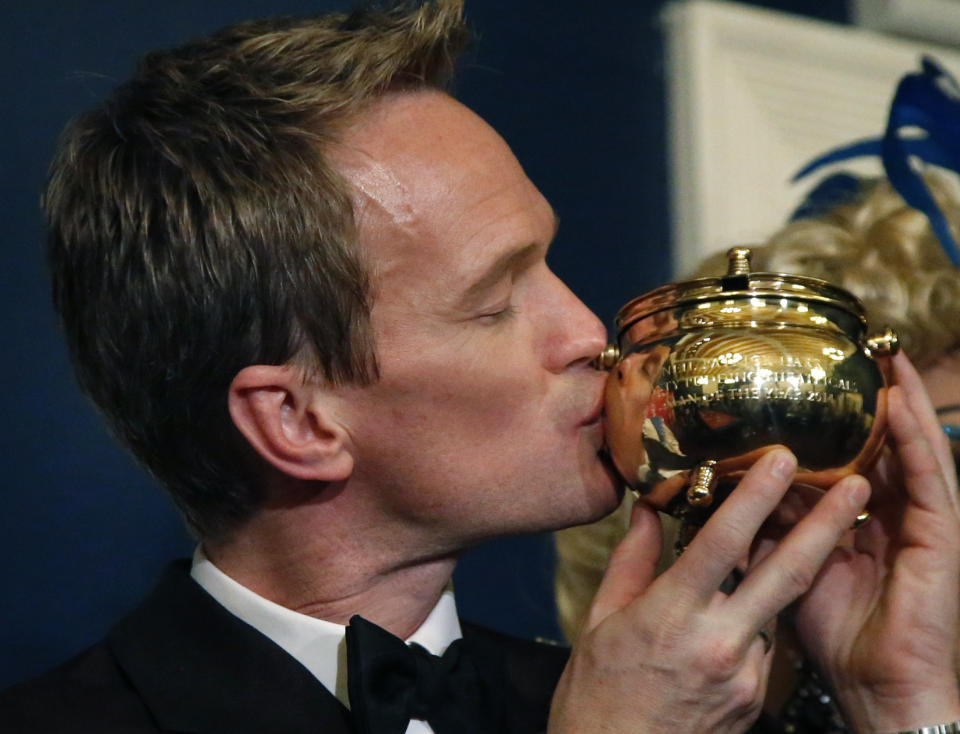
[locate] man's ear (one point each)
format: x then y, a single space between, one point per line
292 424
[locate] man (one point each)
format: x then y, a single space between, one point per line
309 290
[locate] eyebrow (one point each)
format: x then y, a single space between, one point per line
505 263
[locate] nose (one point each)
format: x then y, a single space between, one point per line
575 336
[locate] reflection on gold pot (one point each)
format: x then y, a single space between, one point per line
709 374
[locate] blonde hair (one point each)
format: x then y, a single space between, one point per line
885 253
876 247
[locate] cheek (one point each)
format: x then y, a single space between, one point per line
478 396
464 387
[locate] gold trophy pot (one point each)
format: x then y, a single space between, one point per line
709 374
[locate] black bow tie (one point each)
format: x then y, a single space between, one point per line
391 683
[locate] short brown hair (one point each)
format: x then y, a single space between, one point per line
197 226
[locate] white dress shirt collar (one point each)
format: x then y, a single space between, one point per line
318 645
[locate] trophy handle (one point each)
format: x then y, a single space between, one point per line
703 480
884 344
608 358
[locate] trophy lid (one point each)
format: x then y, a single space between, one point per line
739 282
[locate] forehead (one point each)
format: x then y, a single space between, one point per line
433 182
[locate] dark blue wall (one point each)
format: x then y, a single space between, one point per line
576 90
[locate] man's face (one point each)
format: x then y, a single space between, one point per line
486 418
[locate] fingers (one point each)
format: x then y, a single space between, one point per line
631 568
786 573
928 483
916 403
727 536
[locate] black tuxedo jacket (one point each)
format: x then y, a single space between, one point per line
181 663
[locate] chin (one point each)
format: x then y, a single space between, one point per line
614 499
599 497
610 483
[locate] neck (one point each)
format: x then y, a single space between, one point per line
332 568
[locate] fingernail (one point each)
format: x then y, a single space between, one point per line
858 492
784 465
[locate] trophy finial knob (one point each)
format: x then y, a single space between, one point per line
739 258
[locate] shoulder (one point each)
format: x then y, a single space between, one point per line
91 692
87 693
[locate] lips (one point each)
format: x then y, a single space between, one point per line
595 416
597 410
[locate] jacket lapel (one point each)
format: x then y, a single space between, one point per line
519 675
201 670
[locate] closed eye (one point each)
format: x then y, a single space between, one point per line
501 314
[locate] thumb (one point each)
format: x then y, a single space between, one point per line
632 566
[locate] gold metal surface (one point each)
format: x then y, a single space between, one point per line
739 261
609 357
885 344
703 480
717 371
